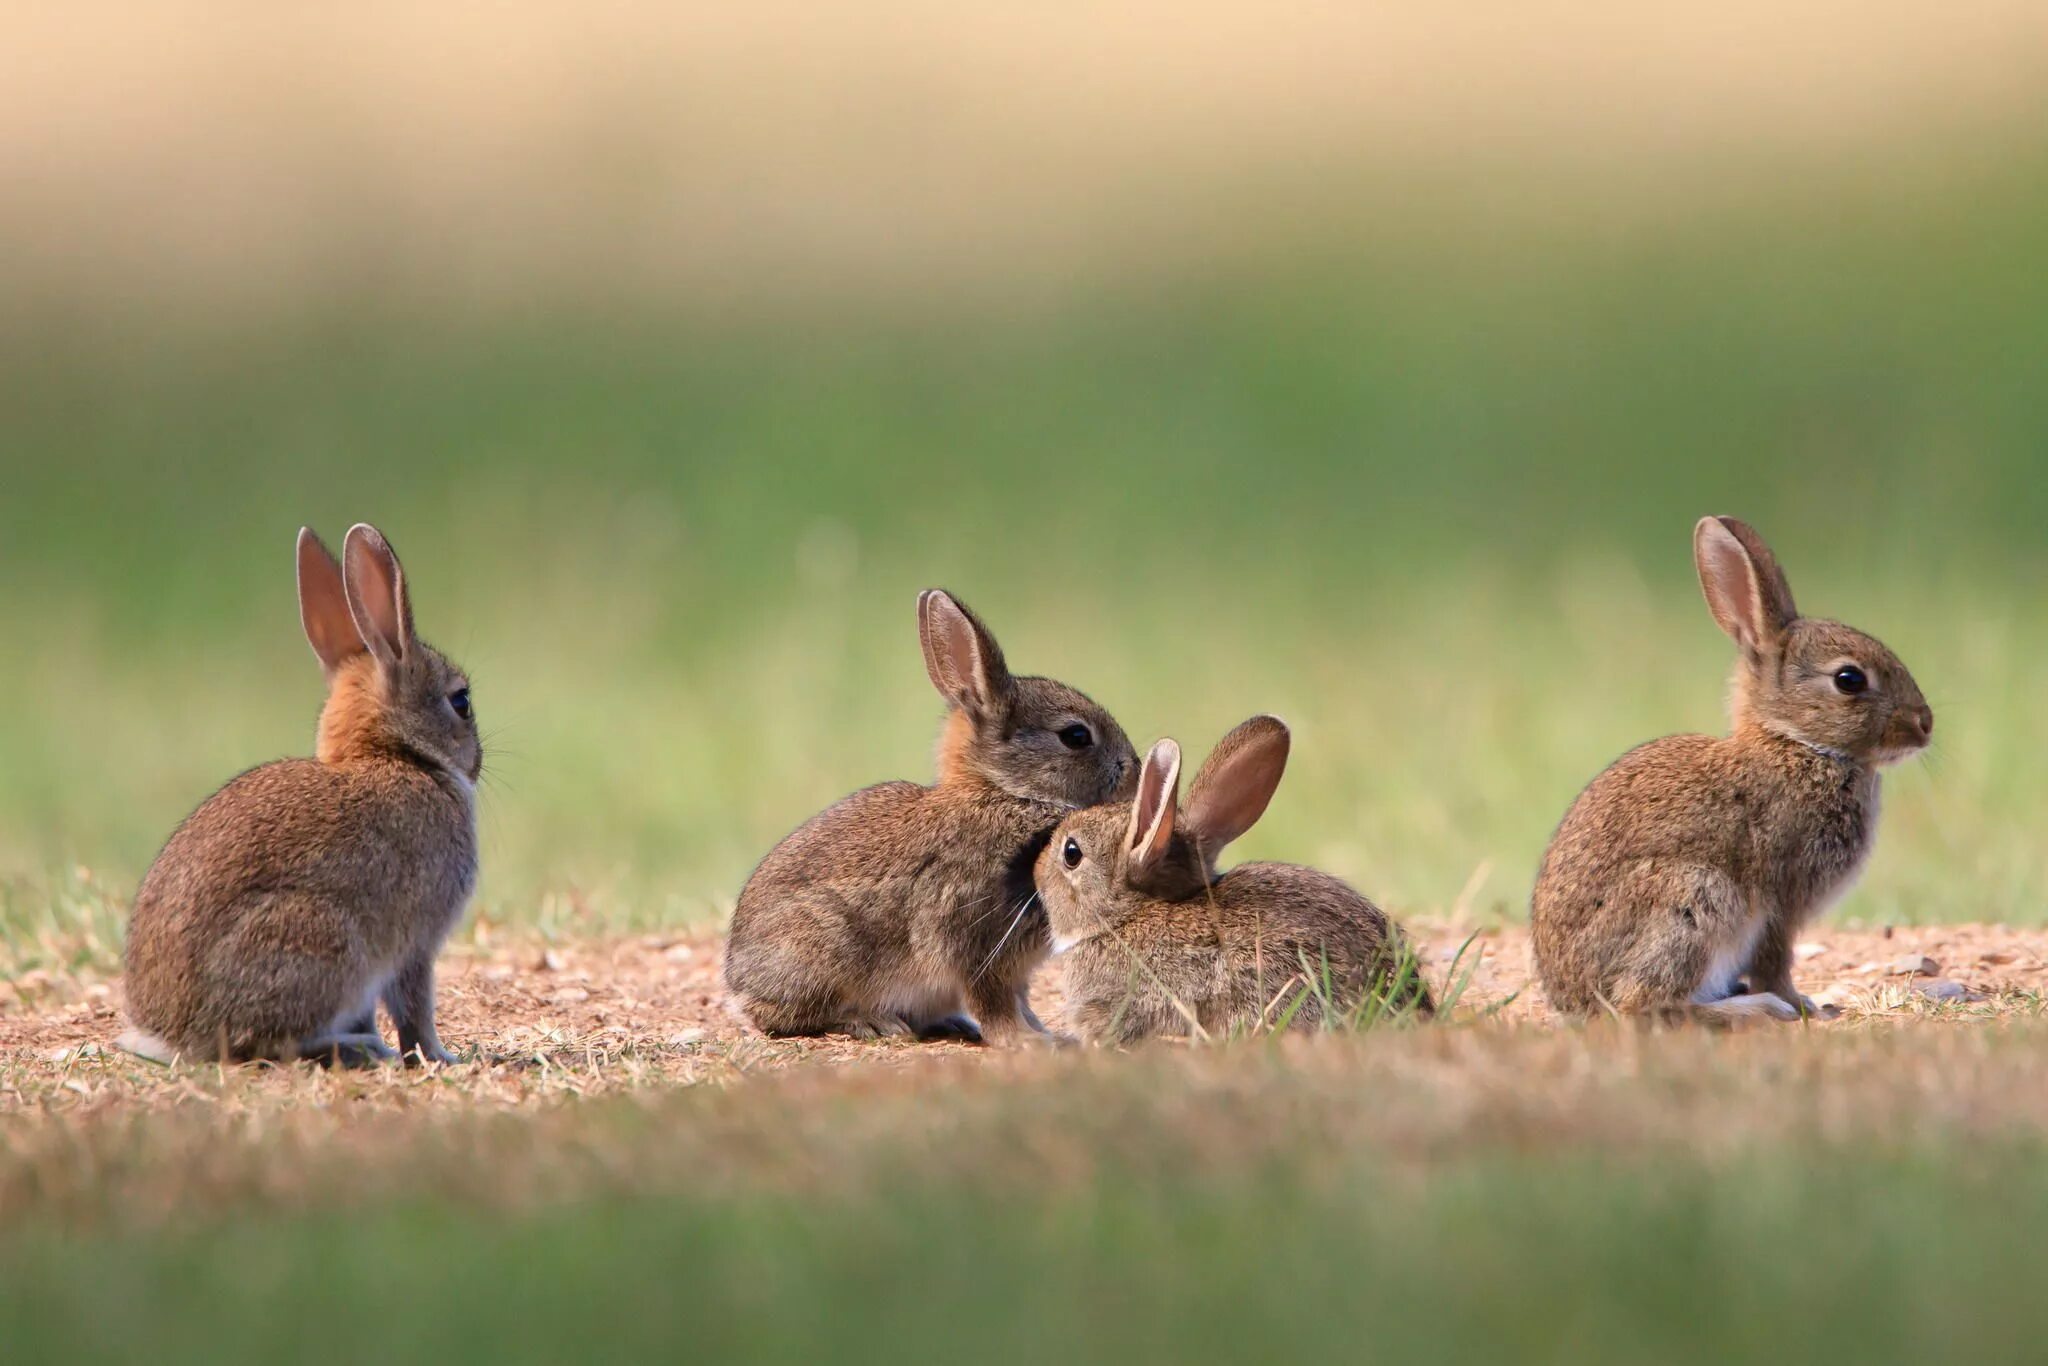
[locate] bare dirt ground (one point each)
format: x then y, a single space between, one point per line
600 1015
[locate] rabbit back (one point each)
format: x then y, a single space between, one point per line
891 903
1292 931
1675 863
1266 941
286 899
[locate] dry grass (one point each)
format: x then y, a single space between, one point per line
691 1099
593 1016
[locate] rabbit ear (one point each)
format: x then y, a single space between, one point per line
1152 813
963 659
323 604
1746 591
1236 782
376 594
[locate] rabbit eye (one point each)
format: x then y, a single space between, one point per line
458 701
1850 680
1071 855
1077 736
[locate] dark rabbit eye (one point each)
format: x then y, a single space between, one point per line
1077 737
1071 854
459 700
1850 679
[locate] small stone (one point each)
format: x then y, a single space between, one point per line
549 961
679 953
1809 950
689 1038
1998 958
1915 965
569 996
1941 989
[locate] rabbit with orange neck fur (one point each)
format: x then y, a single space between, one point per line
906 909
306 891
1679 880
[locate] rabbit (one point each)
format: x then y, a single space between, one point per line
307 890
906 909
1153 941
1679 880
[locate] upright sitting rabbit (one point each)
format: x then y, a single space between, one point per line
305 891
1154 941
909 910
1679 880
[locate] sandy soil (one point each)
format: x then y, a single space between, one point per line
652 1008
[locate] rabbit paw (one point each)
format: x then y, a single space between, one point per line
879 1027
954 1028
348 1050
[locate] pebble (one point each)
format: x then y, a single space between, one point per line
1941 989
688 1038
569 996
1915 965
1809 950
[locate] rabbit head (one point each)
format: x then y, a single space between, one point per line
1823 684
389 692
1031 738
1105 864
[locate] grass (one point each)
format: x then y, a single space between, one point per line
1432 507
1419 477
1455 1194
1574 1263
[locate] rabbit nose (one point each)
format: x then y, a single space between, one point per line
1918 722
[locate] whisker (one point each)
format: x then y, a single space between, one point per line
1015 921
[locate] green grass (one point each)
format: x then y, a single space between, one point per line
1445 1195
1429 500
1883 1258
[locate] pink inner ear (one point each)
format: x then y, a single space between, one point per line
377 598
323 606
1731 587
962 660
1152 815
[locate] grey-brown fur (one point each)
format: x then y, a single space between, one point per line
1154 941
909 909
1689 866
305 891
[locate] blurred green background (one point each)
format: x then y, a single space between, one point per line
1295 371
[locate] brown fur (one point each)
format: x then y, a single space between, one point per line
1692 862
901 907
1154 941
304 891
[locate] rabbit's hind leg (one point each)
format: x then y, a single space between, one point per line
1692 931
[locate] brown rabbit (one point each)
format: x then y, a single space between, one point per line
901 907
1153 941
1690 865
307 890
